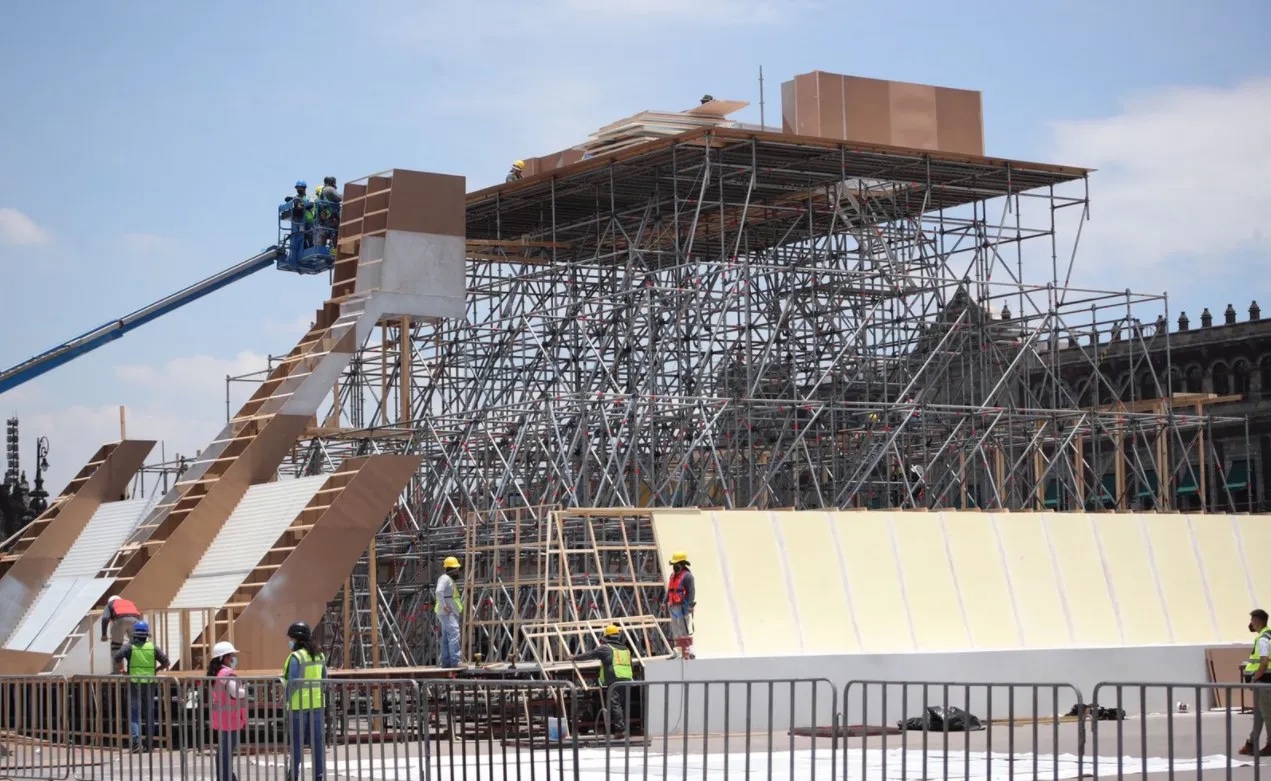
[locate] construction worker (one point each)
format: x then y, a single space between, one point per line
140 659
120 615
328 206
518 170
681 598
448 605
1256 672
615 665
300 211
227 714
305 673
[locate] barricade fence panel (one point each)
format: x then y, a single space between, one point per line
108 728
936 729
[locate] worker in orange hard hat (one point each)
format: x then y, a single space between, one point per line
518 170
681 599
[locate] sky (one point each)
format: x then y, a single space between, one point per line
145 146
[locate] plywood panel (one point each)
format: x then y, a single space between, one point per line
768 621
812 563
1134 586
1083 579
1031 568
1255 539
1178 572
1224 567
873 577
715 629
981 580
934 607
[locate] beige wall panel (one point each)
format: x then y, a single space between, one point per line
982 581
768 622
1032 572
913 115
714 623
1178 571
1082 577
1133 583
1224 567
1255 541
878 600
930 590
812 563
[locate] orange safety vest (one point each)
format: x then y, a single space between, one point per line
124 607
674 591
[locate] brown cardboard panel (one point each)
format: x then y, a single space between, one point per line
789 106
158 580
960 118
316 570
428 203
1226 663
26 576
22 662
830 90
912 109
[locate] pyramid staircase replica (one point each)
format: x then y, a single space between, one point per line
400 233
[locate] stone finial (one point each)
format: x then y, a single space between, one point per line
1183 322
1161 325
1229 315
1206 319
1255 312
1006 312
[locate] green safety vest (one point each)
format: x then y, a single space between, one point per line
141 663
306 694
457 597
621 666
1255 660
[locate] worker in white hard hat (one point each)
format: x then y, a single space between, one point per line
227 711
518 170
448 605
120 616
681 600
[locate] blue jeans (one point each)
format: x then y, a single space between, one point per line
449 639
307 727
226 745
138 694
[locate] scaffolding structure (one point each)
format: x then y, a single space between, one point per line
740 319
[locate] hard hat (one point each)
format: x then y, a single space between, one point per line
299 631
223 648
141 628
450 563
329 180
519 165
301 183
678 557
612 631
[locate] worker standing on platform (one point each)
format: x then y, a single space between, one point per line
518 170
140 659
328 206
448 605
120 615
228 711
681 599
300 211
305 674
1256 672
615 665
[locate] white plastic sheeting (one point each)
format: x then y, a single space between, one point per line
101 538
62 604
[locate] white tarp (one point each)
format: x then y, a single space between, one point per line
61 605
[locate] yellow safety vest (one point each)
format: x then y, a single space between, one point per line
457 597
306 694
1255 660
621 666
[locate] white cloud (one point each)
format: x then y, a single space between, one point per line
1181 183
191 374
19 230
148 243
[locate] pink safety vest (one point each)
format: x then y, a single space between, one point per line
229 714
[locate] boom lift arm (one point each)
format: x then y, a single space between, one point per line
108 332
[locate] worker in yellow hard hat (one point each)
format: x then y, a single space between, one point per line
448 606
681 598
518 170
615 666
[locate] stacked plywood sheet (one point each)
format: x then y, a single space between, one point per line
653 125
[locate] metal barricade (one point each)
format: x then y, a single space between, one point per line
33 729
122 728
233 726
496 729
780 728
946 730
1185 729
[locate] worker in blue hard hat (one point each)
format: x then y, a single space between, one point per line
140 659
300 210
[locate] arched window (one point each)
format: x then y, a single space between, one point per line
1195 382
1240 377
1222 378
1176 383
1264 368
1147 386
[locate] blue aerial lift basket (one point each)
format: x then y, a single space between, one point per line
307 247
